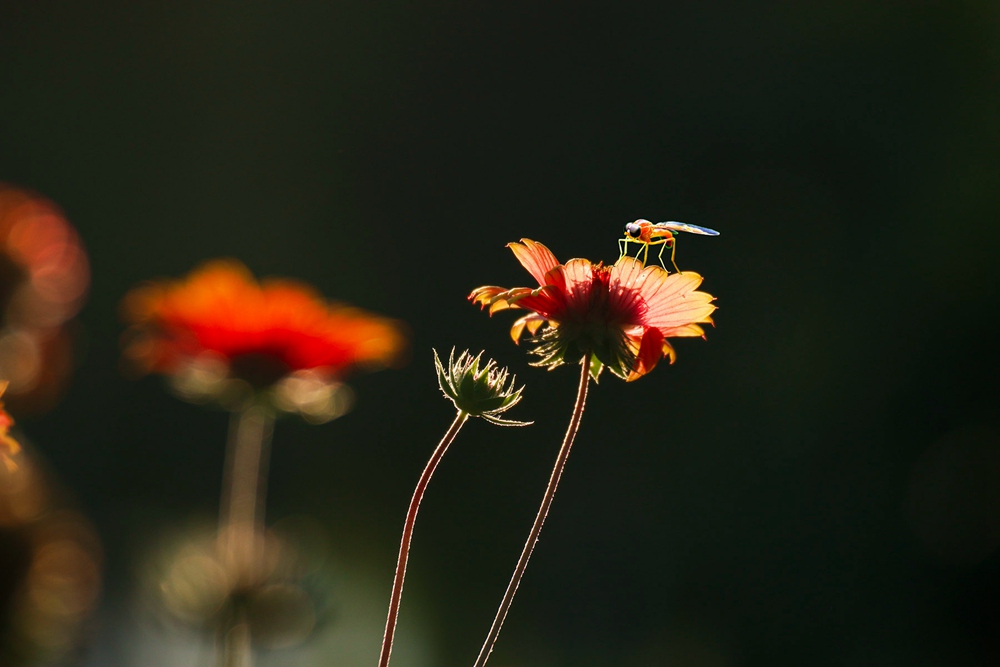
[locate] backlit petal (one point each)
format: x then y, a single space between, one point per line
532 322
546 301
484 295
579 275
535 257
624 297
672 301
649 354
686 331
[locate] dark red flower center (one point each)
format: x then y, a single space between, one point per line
260 369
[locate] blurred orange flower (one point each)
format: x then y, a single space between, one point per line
8 445
221 319
622 315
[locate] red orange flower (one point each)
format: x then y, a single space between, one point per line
622 315
259 332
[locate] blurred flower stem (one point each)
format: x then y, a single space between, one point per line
543 511
241 517
411 518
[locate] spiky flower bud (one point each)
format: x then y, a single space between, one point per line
476 389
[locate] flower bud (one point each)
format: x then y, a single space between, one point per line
479 391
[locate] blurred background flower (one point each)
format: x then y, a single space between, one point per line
219 334
293 595
255 348
313 602
44 275
50 555
8 445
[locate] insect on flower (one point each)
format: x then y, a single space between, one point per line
619 316
647 233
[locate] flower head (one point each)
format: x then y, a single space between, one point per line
481 391
8 445
621 315
220 324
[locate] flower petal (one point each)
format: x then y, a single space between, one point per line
532 322
579 275
687 331
484 295
649 354
672 301
535 258
498 298
669 351
546 301
624 297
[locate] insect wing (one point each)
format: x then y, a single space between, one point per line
684 227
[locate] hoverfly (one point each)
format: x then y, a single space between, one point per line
646 233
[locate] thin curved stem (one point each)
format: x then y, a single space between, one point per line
543 511
404 544
241 516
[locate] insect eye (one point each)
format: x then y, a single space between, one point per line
632 229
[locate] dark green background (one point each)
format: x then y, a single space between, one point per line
756 503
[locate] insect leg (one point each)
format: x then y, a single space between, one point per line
660 256
638 243
673 251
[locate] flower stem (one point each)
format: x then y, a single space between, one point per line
543 511
404 545
241 517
